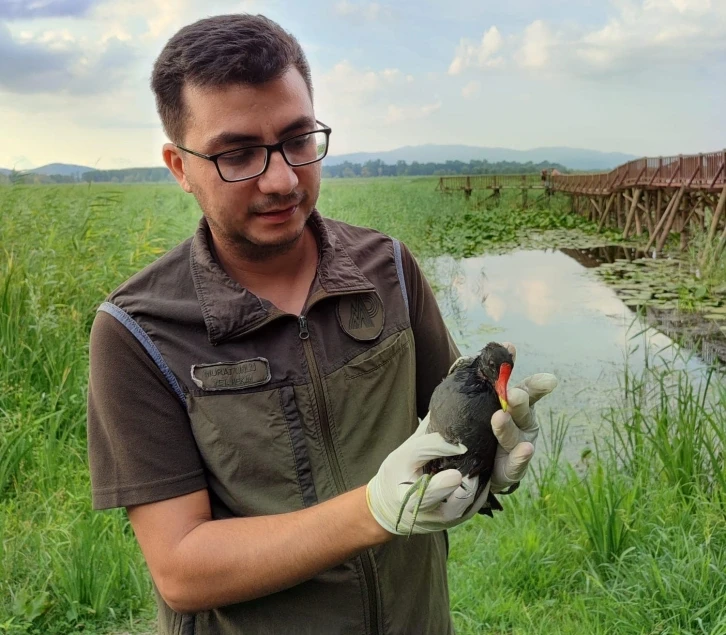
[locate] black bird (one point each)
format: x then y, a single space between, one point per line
461 410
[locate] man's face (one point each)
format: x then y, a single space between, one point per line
241 214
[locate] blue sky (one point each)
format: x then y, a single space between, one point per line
646 77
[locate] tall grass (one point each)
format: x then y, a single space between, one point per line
632 539
64 567
434 223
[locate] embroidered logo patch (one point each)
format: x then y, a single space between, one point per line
232 375
361 315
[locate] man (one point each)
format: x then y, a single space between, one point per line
246 387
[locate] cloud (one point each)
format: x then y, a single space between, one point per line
368 11
537 42
471 89
482 55
57 62
396 114
637 37
655 34
495 307
30 9
346 80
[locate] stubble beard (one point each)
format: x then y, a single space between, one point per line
243 245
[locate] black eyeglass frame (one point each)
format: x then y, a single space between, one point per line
275 147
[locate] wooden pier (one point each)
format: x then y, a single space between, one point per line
653 196
494 183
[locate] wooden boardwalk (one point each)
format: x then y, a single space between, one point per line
493 182
657 196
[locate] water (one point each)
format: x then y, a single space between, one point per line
562 321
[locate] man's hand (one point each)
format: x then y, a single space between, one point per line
387 490
517 429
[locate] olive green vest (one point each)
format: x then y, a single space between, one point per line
288 411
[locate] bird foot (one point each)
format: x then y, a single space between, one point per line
419 488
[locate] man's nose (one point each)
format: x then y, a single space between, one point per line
279 178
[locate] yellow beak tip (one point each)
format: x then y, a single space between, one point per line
505 405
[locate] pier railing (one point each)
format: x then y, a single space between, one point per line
696 171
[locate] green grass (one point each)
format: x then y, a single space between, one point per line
631 540
433 223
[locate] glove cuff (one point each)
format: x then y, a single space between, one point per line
378 518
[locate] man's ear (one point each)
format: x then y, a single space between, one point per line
174 161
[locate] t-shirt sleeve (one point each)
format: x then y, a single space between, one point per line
435 348
140 444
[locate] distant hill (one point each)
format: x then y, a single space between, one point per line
55 169
61 169
573 158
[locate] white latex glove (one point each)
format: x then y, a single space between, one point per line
402 467
517 429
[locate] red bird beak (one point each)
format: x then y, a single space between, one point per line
505 370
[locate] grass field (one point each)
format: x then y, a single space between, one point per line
632 540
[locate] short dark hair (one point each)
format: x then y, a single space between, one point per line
216 52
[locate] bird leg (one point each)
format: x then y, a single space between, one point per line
418 487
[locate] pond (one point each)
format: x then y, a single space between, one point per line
563 320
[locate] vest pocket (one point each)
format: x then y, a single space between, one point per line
374 410
376 357
255 451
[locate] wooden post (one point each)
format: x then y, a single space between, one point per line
671 204
669 223
721 246
717 214
649 213
633 209
658 210
606 211
638 226
714 226
646 214
594 209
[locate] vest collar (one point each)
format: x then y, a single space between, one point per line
230 310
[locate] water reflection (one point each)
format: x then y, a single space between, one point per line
596 256
561 321
691 330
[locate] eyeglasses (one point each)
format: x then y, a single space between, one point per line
252 161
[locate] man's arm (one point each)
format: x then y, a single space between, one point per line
150 465
198 563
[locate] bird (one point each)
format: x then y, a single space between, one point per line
461 410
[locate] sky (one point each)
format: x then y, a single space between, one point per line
646 77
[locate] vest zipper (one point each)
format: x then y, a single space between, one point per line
365 556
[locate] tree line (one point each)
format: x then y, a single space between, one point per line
344 170
402 168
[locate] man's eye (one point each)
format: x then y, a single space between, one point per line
299 143
239 158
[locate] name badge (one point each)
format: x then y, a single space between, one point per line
232 375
